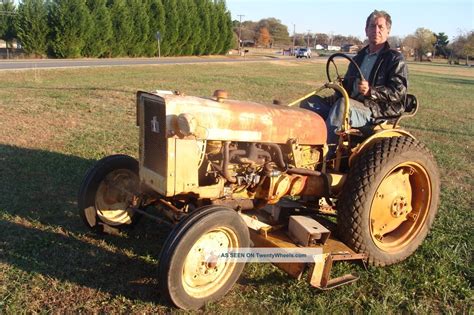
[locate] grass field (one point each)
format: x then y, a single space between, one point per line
55 123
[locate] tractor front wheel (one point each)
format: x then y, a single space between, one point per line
190 273
108 193
390 200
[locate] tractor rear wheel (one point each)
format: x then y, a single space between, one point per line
189 274
390 200
108 192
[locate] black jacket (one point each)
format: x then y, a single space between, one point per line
388 82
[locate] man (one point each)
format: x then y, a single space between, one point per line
382 94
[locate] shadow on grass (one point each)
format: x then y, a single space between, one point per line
39 188
41 185
66 258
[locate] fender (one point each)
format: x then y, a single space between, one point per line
388 133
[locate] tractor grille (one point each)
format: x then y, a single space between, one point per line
155 155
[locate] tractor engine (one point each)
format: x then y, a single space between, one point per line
218 151
256 174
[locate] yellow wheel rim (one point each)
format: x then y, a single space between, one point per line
400 207
114 197
203 272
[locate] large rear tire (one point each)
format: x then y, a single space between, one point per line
186 277
390 200
107 193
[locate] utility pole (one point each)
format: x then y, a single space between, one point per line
240 33
294 37
308 38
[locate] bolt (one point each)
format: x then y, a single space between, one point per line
412 216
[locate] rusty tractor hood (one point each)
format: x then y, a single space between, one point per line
231 120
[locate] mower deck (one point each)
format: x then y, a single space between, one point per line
295 235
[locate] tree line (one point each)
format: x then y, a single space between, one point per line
271 32
116 28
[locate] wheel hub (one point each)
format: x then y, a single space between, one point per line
399 207
204 271
116 193
392 203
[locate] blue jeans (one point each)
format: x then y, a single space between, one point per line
333 114
359 116
318 105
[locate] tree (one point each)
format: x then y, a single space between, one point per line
156 13
122 29
441 45
189 31
100 30
223 24
469 46
463 46
299 39
355 40
7 22
140 28
249 31
32 26
264 37
172 28
227 34
214 29
203 9
278 32
338 40
425 40
321 39
69 23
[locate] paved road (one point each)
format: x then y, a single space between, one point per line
68 63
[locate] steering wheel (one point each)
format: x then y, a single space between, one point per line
339 77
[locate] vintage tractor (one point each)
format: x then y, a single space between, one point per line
229 174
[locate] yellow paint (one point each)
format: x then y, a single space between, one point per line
387 133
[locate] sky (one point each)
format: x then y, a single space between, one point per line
347 17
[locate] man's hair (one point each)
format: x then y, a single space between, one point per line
377 14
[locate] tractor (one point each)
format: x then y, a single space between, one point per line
227 174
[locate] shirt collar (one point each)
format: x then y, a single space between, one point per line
370 54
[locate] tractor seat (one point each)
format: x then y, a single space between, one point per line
411 107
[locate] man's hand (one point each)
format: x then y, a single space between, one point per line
364 87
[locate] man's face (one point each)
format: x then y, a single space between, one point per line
377 31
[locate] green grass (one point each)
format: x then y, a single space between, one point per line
56 123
